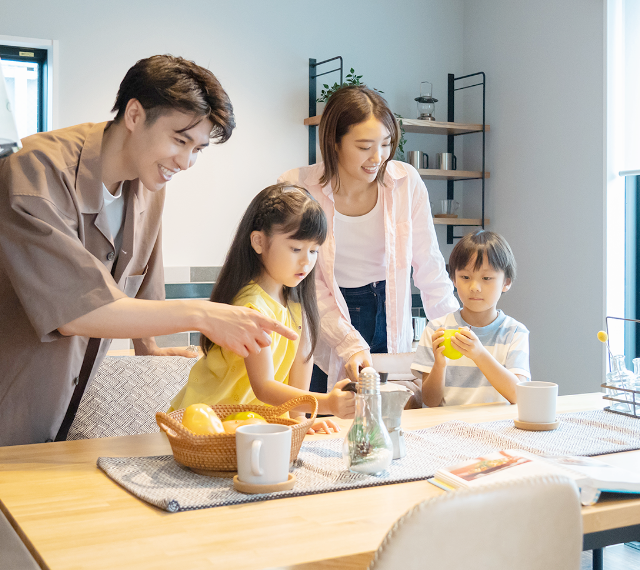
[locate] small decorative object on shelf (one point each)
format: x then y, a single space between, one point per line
426 103
622 387
368 447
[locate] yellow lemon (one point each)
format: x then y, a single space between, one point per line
603 336
449 351
202 420
243 416
230 426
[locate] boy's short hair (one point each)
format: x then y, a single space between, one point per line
164 83
496 248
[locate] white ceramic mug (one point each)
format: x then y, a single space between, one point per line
263 452
537 402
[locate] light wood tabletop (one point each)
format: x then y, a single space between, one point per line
71 515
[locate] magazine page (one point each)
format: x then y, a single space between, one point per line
498 466
602 475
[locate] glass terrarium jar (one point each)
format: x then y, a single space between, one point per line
368 447
426 103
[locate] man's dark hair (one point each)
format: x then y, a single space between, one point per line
163 83
480 243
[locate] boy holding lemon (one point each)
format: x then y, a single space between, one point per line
477 354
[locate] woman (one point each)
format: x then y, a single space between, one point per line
379 226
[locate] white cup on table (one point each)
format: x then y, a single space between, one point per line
263 452
536 402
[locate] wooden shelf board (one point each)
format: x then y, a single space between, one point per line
460 221
438 128
434 174
429 127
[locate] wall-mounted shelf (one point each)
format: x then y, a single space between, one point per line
424 127
459 221
434 174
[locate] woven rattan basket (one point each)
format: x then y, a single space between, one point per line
217 453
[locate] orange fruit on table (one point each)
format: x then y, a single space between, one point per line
202 420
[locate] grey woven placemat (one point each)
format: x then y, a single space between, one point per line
319 467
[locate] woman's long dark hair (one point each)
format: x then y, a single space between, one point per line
349 106
282 208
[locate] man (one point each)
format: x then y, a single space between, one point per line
80 245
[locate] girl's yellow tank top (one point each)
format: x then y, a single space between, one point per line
221 376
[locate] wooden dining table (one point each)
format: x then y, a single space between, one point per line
70 515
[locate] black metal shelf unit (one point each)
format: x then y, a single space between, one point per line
451 89
313 96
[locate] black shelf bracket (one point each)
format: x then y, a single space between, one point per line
451 89
313 75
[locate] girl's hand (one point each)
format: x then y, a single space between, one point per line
326 425
356 363
437 343
468 343
342 404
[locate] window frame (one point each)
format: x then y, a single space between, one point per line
41 56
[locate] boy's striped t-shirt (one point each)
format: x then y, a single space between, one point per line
505 338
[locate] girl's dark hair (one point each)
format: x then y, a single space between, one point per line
350 106
163 83
481 243
282 208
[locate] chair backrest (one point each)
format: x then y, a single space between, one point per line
125 394
525 524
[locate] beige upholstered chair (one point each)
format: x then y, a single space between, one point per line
528 524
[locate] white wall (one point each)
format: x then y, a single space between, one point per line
545 77
259 50
545 103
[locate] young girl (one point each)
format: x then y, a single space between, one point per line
379 226
270 268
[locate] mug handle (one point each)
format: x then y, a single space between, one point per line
455 162
256 444
425 156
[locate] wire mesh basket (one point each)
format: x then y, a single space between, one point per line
625 399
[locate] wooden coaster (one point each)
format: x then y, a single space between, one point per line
250 489
536 426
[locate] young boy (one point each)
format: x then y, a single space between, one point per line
494 347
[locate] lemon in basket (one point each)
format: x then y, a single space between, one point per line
202 420
234 421
243 416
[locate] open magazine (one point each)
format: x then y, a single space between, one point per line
591 475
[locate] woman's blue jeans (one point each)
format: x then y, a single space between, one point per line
368 316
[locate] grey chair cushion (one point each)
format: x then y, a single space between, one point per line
14 555
126 393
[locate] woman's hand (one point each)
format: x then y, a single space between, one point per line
342 404
356 363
